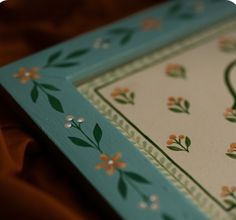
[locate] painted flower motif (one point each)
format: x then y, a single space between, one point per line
230 114
229 195
150 23
178 105
227 191
25 74
231 151
151 203
227 44
70 120
175 70
175 143
123 96
111 164
101 43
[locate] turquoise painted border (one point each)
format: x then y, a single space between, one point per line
47 113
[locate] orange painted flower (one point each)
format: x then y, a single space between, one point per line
119 91
227 44
175 70
150 23
181 136
226 191
111 164
172 136
25 74
232 148
230 114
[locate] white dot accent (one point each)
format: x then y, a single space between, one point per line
110 162
80 120
69 117
67 125
143 205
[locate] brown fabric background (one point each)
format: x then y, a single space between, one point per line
33 183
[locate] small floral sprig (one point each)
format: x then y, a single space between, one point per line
55 60
87 141
176 143
110 164
230 114
231 152
26 75
229 193
175 70
178 105
123 96
227 44
152 203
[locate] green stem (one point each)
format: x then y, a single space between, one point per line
123 174
130 101
228 70
179 143
183 109
233 196
40 87
88 138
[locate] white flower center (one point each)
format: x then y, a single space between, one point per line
27 74
110 162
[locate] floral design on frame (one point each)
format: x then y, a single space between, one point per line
178 143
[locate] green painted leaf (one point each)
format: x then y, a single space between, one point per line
79 142
55 103
121 101
175 110
54 56
64 65
132 95
233 156
231 119
230 202
187 141
166 217
174 9
77 53
124 40
186 104
174 148
122 188
136 177
97 133
34 93
49 87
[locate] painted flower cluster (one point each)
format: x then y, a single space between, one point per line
231 151
178 105
175 71
178 143
152 203
229 195
27 74
123 96
227 44
110 164
230 114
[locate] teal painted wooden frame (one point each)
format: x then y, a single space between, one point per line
44 86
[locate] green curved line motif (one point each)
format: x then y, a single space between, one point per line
228 82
